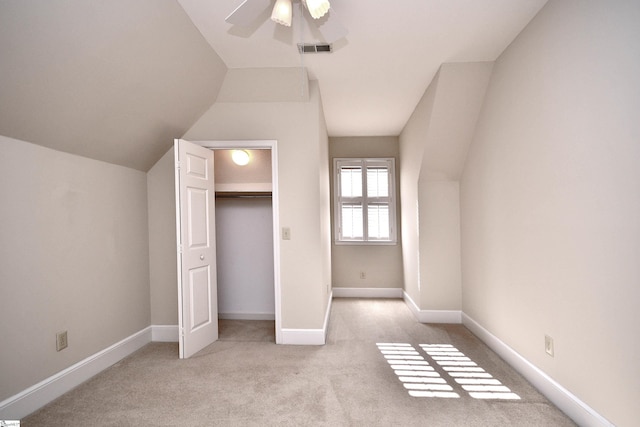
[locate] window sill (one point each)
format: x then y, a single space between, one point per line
361 243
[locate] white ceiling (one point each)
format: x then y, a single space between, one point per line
373 80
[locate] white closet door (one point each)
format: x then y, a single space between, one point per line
195 223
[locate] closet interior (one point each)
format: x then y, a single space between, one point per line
244 245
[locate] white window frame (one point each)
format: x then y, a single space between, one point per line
338 200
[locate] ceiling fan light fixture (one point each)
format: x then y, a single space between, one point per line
318 8
282 12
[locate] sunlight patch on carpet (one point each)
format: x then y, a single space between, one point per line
466 373
420 379
415 373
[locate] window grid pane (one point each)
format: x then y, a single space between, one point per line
378 221
352 221
377 182
351 181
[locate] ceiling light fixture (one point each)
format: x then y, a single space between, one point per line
240 157
282 12
325 22
317 8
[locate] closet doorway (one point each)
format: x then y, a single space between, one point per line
247 240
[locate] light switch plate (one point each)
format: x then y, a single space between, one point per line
548 345
286 233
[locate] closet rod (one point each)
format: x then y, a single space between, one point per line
243 195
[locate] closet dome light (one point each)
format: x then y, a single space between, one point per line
240 157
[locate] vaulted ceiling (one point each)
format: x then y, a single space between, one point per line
117 80
377 74
112 80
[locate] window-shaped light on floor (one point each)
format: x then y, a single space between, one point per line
471 377
418 377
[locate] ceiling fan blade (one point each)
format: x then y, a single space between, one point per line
248 11
330 28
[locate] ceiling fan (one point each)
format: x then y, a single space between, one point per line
320 10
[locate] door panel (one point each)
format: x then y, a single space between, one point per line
197 218
200 294
195 221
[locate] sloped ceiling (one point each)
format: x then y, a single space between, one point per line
118 80
112 80
459 95
376 75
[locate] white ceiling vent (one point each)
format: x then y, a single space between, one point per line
315 47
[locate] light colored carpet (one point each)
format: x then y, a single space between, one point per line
244 379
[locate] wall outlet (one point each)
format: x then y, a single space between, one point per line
548 345
363 275
61 341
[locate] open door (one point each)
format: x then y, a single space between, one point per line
195 225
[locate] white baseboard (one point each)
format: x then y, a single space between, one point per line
303 337
367 292
38 395
432 316
308 336
247 316
577 410
164 333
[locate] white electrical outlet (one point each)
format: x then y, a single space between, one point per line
363 275
61 341
548 345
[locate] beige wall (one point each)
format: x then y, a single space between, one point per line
381 263
439 246
324 185
412 145
550 202
265 85
303 187
433 148
298 126
163 270
74 257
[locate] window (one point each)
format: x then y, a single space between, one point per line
365 210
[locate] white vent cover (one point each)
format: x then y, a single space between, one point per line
315 47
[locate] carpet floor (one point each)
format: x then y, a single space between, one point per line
379 368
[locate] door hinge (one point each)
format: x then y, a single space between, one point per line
178 165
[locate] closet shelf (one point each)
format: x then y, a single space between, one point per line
243 194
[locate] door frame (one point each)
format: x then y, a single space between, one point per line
273 146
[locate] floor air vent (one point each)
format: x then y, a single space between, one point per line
315 47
